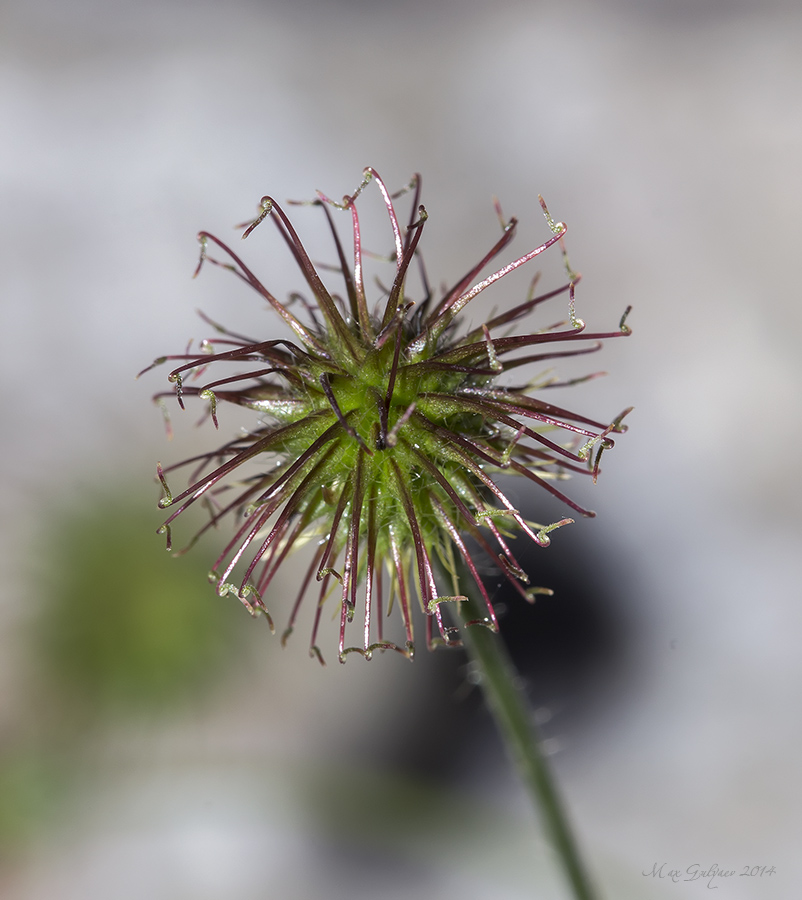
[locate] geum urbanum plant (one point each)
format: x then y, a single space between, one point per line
382 427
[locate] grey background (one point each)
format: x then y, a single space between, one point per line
668 136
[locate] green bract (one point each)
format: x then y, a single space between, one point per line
382 427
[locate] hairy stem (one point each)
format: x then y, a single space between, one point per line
501 686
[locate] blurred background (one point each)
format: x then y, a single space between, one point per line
154 740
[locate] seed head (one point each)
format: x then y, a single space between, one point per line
382 426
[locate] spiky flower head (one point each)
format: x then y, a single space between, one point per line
382 427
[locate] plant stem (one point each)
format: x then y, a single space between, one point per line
501 686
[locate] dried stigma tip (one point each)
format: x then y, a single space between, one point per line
558 228
167 499
266 206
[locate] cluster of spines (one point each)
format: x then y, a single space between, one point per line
328 483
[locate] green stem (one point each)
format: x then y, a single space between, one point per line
510 709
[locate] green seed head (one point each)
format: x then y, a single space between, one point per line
381 430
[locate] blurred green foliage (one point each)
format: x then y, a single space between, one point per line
121 625
32 783
118 631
